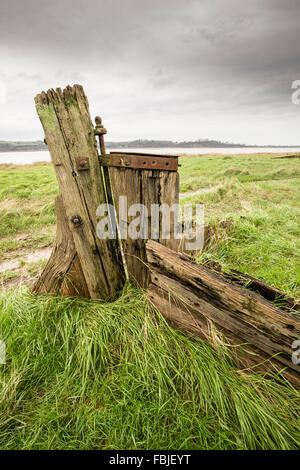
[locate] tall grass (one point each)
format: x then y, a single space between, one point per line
84 375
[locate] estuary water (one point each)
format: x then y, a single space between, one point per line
25 158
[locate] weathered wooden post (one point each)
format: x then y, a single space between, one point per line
80 261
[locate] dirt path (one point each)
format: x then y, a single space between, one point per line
198 191
12 264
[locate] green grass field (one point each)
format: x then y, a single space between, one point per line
262 196
87 375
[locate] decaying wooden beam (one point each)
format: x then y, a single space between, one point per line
273 294
71 142
194 297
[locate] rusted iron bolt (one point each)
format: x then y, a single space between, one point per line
76 219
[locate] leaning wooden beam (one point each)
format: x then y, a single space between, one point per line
194 298
71 142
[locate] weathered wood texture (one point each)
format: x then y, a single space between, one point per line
62 274
145 187
268 292
69 135
194 297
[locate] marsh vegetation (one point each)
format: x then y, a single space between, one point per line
81 374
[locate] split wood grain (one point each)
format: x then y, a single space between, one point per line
195 297
70 134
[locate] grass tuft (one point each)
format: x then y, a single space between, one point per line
85 375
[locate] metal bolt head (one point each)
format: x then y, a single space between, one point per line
82 163
76 219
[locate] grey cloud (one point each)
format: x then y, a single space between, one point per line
189 64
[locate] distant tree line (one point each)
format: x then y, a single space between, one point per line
24 146
140 143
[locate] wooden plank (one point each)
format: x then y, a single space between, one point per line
169 194
127 182
146 187
70 134
194 297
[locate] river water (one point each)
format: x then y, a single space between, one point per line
22 158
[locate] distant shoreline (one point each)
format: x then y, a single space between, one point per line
158 147
24 150
39 146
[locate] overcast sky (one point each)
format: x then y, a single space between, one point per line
162 69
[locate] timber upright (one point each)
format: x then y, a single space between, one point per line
81 263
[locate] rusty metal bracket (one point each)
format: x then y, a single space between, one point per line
82 163
144 161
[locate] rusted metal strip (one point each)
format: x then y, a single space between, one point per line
140 161
142 154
